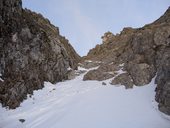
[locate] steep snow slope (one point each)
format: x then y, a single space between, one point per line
87 104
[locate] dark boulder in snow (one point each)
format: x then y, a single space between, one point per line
123 79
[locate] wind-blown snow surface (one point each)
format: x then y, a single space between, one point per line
87 104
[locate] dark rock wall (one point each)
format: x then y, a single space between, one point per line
145 52
31 51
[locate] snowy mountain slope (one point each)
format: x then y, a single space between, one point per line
87 104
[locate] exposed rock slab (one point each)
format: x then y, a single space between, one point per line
123 79
98 75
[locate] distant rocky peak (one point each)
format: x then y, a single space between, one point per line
108 36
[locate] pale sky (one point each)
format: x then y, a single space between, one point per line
83 22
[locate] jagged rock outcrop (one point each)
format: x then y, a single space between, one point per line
31 51
143 52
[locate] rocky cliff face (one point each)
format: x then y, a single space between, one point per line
31 51
140 54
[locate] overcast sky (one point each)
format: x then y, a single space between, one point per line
83 22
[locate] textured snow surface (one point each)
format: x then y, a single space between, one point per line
87 104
